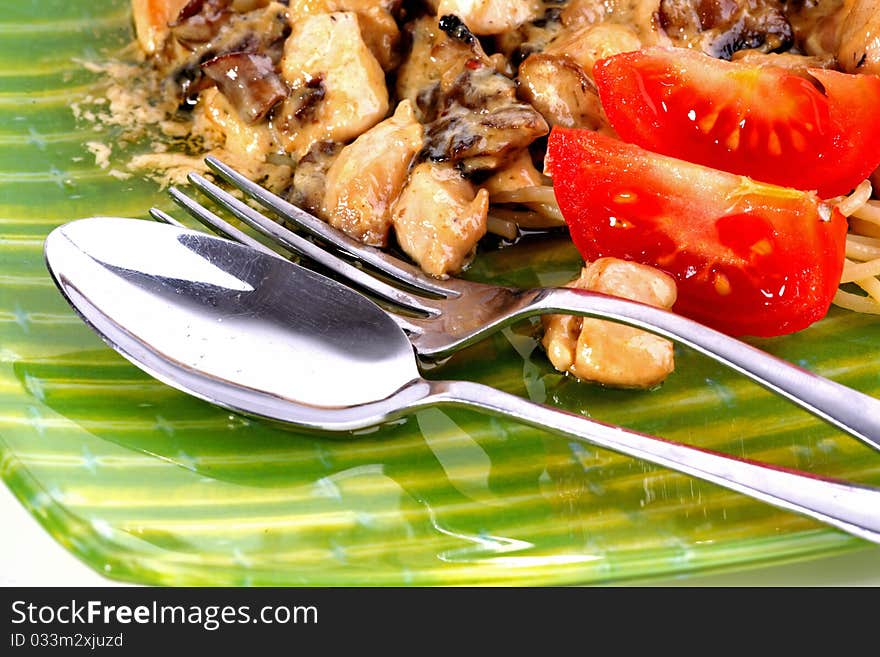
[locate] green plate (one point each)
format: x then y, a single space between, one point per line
148 485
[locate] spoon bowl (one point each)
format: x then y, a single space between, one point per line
218 320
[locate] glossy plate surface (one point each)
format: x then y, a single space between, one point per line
148 485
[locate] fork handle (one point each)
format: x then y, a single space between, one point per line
850 507
850 410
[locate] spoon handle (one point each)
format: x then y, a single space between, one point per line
854 412
850 507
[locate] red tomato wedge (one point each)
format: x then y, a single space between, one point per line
814 131
749 258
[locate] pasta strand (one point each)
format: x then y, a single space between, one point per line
856 303
853 272
535 194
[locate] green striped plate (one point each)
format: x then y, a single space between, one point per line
148 485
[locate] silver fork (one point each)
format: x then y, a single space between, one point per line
442 316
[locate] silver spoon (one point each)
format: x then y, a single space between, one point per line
257 334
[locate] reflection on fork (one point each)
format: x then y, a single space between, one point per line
442 316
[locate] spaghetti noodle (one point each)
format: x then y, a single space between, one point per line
862 264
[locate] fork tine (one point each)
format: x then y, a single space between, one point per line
295 243
394 267
228 230
211 220
165 218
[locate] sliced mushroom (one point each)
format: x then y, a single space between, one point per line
199 21
433 62
310 176
722 27
474 117
249 81
261 31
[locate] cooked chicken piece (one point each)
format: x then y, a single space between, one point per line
368 176
242 6
485 17
583 12
721 27
816 24
151 21
243 139
521 172
242 145
859 37
301 8
588 44
382 36
847 30
558 81
561 91
606 352
640 15
472 112
337 87
439 218
378 28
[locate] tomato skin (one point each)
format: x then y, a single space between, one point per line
766 122
748 258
